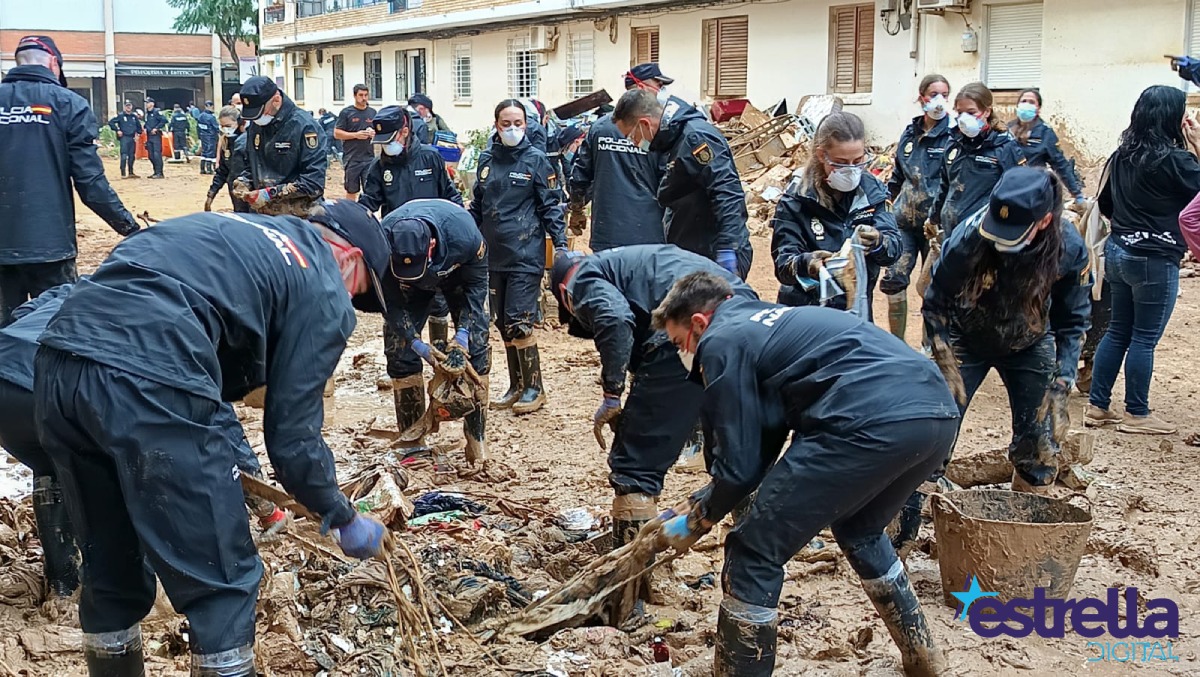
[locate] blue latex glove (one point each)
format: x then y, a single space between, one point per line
1081 200
609 408
362 538
462 338
677 534
423 349
727 260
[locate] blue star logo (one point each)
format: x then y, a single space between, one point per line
967 597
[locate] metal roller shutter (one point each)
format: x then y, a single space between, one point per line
1014 46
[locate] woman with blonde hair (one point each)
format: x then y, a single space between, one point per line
231 158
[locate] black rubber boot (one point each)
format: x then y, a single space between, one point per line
897 604
233 663
61 565
514 379
746 637
439 332
114 654
475 428
532 396
408 394
898 314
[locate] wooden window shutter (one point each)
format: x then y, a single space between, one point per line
733 38
711 57
851 48
864 48
645 45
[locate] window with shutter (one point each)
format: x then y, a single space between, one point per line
373 74
1193 41
462 71
726 56
645 45
1013 56
851 48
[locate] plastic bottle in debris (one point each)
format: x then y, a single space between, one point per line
662 653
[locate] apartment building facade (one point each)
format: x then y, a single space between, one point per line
1091 58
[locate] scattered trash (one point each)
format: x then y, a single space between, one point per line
708 580
563 663
576 519
441 501
342 643
446 517
662 654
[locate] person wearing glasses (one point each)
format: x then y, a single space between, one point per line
823 207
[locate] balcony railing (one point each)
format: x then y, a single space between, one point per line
273 15
315 7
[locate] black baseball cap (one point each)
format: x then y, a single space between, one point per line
1023 197
419 99
643 72
388 122
568 134
257 91
360 228
43 43
409 241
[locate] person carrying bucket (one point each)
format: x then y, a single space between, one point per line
1011 292
825 379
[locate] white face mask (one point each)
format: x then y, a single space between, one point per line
264 120
845 179
393 148
969 125
936 107
229 131
512 136
688 358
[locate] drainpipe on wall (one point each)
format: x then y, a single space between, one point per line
914 37
110 60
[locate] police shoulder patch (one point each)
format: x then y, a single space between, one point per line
387 176
952 154
908 147
703 154
257 142
552 180
310 140
482 250
483 173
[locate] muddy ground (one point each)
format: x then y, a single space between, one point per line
320 613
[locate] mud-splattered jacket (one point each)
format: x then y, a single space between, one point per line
614 292
995 324
287 153
971 169
217 305
701 191
621 181
516 203
417 173
802 225
769 370
1041 149
230 164
460 260
917 172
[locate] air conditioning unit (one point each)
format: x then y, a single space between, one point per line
543 39
943 5
298 59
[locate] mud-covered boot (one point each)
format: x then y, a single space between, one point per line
898 314
237 662
631 512
114 654
904 529
532 396
897 604
514 379
475 427
58 539
746 636
408 394
439 332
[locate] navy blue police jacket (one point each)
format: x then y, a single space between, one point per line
417 173
217 305
1041 149
516 203
970 172
917 172
47 144
614 292
287 153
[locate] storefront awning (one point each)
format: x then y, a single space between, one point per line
74 69
164 71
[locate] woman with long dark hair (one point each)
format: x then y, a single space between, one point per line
1153 176
980 151
1039 143
1010 293
517 204
832 200
915 182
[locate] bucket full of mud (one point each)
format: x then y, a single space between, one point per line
1011 542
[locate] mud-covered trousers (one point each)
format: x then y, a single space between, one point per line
417 305
1101 316
853 481
659 414
515 301
149 474
1027 375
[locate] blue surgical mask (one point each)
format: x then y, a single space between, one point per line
393 148
569 156
1026 111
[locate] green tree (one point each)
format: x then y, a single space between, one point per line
232 21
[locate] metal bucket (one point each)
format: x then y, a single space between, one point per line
1011 542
